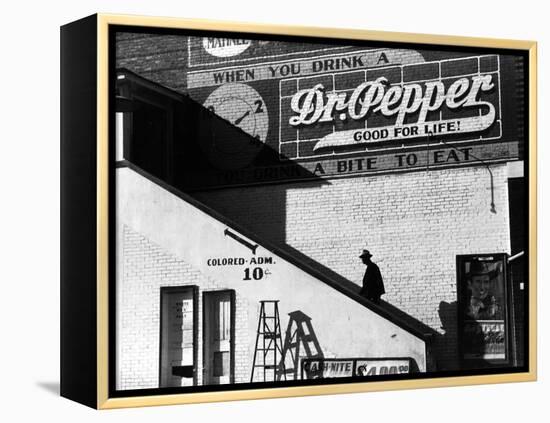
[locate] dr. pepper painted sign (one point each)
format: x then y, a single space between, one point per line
339 111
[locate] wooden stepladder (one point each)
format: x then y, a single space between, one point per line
300 342
269 345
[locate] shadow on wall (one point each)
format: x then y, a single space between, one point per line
475 343
444 345
186 145
384 306
300 342
190 148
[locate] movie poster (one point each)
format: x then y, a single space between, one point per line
483 309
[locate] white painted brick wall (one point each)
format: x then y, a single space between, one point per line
147 268
415 224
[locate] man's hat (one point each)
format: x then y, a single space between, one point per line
481 268
365 253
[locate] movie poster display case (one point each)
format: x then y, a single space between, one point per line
253 211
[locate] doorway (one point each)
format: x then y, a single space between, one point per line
218 337
178 334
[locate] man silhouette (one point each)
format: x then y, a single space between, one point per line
373 286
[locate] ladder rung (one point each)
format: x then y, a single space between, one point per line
272 340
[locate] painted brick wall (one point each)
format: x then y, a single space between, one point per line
414 224
147 268
299 141
151 220
164 58
160 58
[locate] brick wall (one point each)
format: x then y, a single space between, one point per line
163 240
147 268
164 58
414 224
160 58
299 141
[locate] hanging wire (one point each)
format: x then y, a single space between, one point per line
493 207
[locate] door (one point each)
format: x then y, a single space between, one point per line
218 332
177 337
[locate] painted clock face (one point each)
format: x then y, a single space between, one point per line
242 106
